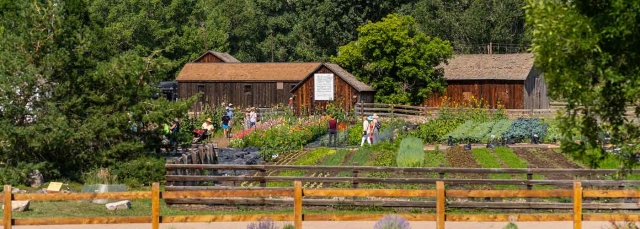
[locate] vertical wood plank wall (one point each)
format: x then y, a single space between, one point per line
343 93
506 92
209 58
262 94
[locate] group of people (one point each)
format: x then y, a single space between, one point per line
371 130
226 123
250 118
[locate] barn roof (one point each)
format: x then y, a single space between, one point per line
489 67
225 57
246 71
346 76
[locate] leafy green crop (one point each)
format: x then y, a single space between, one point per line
460 134
410 153
499 128
336 158
487 160
478 133
524 128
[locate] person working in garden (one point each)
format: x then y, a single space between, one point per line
365 130
225 125
230 114
208 128
333 131
375 130
174 129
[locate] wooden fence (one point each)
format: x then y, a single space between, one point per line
394 110
391 110
298 193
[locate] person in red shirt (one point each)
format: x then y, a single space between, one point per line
333 131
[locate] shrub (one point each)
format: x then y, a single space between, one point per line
392 222
510 225
411 153
355 134
141 171
19 174
263 224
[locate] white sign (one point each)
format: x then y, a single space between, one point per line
323 85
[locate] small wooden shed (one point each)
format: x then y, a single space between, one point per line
216 57
508 79
330 83
243 84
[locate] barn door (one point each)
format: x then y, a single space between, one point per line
248 95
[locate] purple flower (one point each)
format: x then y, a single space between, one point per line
263 224
392 222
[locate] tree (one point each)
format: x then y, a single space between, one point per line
589 52
397 59
65 102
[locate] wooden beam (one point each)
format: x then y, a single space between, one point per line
507 217
509 193
611 193
440 207
155 205
6 219
88 220
226 193
83 196
611 217
577 205
368 192
297 204
199 188
224 218
366 217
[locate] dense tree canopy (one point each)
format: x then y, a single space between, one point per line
397 59
589 52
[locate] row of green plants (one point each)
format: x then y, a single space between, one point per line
283 137
487 160
312 157
519 130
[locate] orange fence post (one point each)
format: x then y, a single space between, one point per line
577 205
297 204
155 205
440 199
7 207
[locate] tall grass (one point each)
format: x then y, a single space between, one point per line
410 153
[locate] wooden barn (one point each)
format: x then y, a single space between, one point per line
508 79
216 57
243 84
329 83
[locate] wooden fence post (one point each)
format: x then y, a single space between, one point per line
441 174
263 173
8 196
440 199
529 178
354 183
297 204
577 205
155 205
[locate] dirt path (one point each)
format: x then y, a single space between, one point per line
333 225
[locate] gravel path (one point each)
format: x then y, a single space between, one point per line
333 225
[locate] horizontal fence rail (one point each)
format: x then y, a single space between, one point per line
300 196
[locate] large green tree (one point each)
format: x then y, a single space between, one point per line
590 54
397 59
65 102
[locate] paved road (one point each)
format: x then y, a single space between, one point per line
333 225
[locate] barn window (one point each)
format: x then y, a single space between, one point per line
247 88
280 85
292 86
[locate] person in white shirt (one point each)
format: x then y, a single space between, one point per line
365 130
253 117
207 127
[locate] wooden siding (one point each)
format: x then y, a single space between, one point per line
535 91
509 93
343 94
209 58
241 94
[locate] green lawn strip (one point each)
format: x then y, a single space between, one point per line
487 160
512 160
362 156
311 158
433 158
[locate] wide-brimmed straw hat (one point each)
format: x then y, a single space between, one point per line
370 118
208 119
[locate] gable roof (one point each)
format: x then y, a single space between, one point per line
343 74
489 67
246 71
225 57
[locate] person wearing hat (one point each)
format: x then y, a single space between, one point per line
174 129
208 128
375 127
230 114
365 130
225 124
